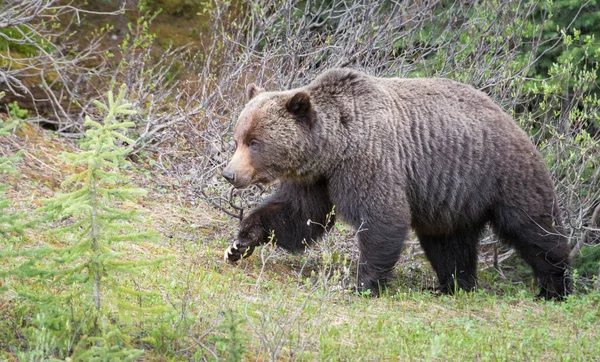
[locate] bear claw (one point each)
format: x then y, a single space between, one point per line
235 252
232 253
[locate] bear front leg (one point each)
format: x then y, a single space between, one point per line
285 215
380 248
255 230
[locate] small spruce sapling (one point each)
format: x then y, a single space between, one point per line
98 223
231 342
91 223
9 223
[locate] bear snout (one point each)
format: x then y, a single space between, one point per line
240 172
229 176
237 179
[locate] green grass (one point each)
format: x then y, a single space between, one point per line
272 309
284 316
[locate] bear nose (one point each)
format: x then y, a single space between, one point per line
229 176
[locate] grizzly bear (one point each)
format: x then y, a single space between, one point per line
391 154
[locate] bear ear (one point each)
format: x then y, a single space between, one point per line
299 105
252 91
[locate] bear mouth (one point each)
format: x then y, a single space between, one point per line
243 184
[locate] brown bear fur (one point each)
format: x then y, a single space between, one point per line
391 154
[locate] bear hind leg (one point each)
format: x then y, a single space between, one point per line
541 244
453 258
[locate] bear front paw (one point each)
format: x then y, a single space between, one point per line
235 252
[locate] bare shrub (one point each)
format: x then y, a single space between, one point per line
44 66
281 45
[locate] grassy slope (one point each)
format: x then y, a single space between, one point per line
291 307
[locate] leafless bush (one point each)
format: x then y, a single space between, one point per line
283 44
43 66
157 88
575 165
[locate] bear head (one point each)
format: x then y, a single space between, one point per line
273 137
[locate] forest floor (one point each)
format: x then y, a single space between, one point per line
276 306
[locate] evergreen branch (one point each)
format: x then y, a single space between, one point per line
91 123
123 138
146 236
132 307
99 105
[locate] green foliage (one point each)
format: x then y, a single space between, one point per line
97 223
43 344
90 222
569 90
469 43
144 38
587 262
17 112
231 342
564 117
21 40
110 345
8 222
563 80
581 19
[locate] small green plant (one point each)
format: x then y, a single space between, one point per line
44 342
231 343
109 345
588 262
17 112
8 222
78 281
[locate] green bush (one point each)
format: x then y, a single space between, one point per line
588 262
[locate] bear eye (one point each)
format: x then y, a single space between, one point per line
253 144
